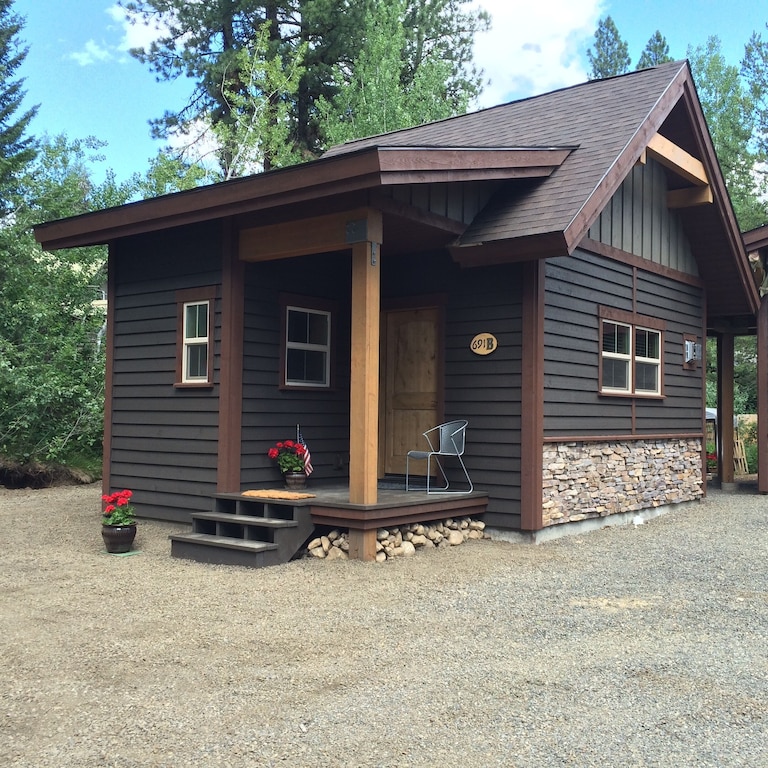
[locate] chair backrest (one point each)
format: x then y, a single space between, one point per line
452 437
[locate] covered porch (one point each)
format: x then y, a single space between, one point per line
271 528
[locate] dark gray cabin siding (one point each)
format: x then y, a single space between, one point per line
682 306
271 413
576 287
638 221
164 438
486 390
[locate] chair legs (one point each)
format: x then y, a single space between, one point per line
430 488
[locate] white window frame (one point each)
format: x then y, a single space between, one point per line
195 341
654 361
306 346
632 359
626 358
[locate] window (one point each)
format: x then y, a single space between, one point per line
195 365
194 358
630 355
306 345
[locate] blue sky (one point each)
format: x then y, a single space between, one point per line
79 72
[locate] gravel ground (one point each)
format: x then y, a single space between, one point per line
635 646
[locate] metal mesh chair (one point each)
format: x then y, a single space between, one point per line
443 440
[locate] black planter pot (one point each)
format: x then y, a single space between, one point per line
118 539
295 481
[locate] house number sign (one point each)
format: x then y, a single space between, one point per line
483 344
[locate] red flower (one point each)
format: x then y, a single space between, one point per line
109 509
272 453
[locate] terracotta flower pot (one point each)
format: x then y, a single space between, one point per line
118 539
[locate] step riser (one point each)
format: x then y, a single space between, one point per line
283 526
248 533
203 553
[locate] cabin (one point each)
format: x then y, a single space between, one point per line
547 269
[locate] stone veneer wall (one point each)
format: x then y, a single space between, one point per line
586 480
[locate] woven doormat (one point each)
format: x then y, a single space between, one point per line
267 494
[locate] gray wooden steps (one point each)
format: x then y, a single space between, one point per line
244 530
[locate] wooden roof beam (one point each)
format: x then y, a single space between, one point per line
689 197
318 234
677 160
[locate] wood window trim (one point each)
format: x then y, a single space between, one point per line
319 305
204 294
634 320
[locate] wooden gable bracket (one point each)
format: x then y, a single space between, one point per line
685 165
318 234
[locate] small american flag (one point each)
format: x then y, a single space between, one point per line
308 468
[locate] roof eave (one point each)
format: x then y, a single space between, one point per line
366 169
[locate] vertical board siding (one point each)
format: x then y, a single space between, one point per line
638 221
576 287
270 413
460 202
164 439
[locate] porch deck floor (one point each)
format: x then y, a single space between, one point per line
330 506
337 495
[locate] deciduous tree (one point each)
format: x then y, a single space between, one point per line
730 112
378 93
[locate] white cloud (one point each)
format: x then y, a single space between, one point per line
535 47
135 32
91 54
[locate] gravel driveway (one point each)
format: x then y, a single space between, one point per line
636 646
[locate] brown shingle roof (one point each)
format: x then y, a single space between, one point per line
601 118
609 123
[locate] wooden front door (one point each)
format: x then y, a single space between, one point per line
410 381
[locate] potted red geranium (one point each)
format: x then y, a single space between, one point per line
289 456
118 521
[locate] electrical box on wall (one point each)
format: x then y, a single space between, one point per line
692 351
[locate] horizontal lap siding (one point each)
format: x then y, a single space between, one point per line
270 413
485 390
576 287
681 306
164 439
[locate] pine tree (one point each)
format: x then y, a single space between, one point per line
610 55
16 149
656 52
205 40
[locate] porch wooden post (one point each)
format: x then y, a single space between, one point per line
106 456
532 392
725 406
364 385
231 366
762 396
